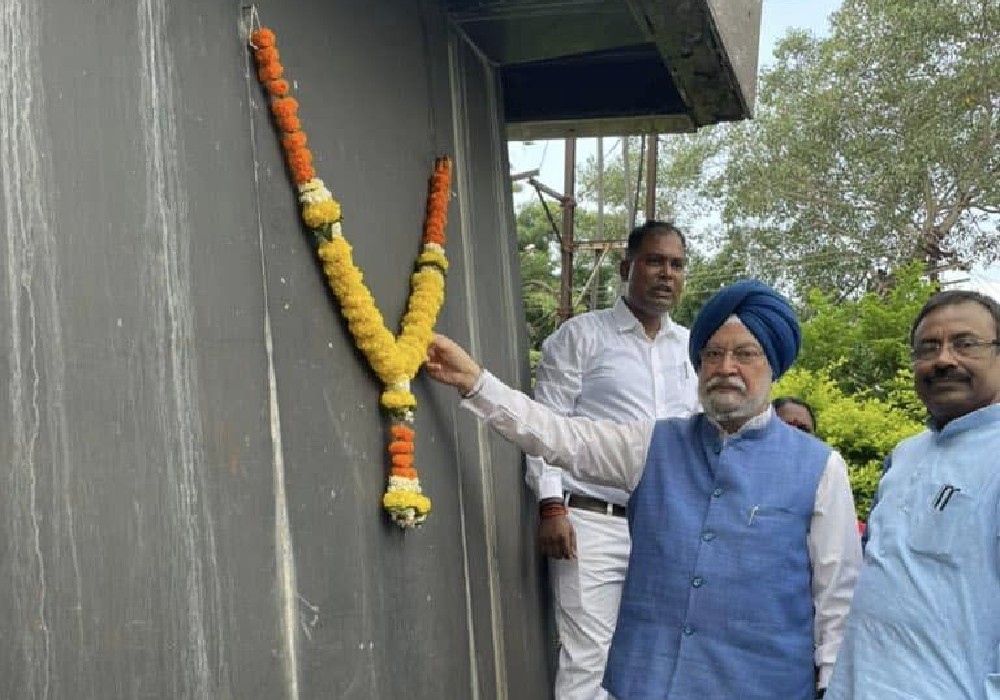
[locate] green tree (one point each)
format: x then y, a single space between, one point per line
873 147
538 248
539 256
620 195
854 370
863 344
705 275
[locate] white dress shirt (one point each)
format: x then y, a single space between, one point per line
602 365
613 454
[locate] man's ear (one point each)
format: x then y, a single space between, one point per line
623 268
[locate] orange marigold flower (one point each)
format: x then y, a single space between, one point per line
284 107
266 54
263 37
399 447
299 158
294 140
402 432
269 72
303 175
289 123
277 88
406 470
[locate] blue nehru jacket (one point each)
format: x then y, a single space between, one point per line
717 603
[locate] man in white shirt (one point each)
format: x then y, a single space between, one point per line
744 548
627 363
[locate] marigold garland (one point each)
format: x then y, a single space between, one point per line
395 359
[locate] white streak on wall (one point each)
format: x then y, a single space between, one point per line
287 587
38 442
167 282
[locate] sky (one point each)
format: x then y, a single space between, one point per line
778 17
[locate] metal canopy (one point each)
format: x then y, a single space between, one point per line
607 67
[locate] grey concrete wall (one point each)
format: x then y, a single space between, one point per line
192 450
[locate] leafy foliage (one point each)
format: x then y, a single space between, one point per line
871 148
854 372
705 275
538 248
864 344
878 145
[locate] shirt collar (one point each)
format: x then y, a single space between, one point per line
626 321
757 422
980 418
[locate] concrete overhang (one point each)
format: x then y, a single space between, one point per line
610 67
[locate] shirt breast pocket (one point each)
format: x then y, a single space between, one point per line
941 520
770 534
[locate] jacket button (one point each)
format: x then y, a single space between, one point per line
717 493
688 630
697 581
708 536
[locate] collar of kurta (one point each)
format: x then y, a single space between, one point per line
756 423
985 417
626 321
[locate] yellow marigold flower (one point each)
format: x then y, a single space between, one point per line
395 400
315 214
429 257
401 500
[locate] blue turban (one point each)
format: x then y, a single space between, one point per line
764 312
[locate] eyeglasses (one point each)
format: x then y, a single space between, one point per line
741 356
968 347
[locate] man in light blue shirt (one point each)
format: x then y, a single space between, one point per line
925 620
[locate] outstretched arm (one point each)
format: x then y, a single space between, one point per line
599 451
449 364
558 384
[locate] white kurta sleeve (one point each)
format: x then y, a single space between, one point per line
835 553
601 452
558 381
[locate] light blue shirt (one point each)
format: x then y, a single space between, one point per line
925 621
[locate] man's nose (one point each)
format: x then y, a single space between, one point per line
946 357
729 364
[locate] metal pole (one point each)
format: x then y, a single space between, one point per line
598 258
568 204
651 152
627 170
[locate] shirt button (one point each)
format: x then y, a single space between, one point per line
688 630
697 581
708 536
717 493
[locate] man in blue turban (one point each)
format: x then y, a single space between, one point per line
762 311
744 544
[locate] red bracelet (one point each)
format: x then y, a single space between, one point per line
552 510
